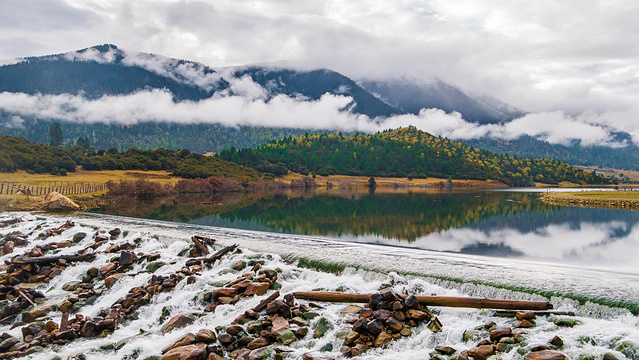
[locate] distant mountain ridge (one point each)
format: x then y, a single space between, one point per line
107 70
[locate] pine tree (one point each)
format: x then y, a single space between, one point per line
55 134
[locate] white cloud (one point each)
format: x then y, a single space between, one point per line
248 104
91 54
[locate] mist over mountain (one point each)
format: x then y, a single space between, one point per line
127 99
410 96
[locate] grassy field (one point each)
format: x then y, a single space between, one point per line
387 182
604 199
81 176
630 175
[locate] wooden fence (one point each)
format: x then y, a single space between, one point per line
69 189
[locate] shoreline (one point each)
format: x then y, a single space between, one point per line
623 200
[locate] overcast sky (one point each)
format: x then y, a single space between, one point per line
573 56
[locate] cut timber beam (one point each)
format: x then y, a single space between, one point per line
445 301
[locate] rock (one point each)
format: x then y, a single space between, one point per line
538 348
394 325
235 330
88 329
279 324
79 237
71 285
382 315
257 343
6 344
374 327
545 355
360 325
607 356
226 339
445 350
382 339
352 309
481 352
65 335
32 314
205 336
284 309
112 279
106 269
565 322
321 327
256 288
65 306
185 340
258 354
127 258
239 265
189 352
177 322
54 201
286 337
154 266
525 324
497 334
49 326
416 315
557 341
224 292
411 302
31 330
525 315
93 272
628 349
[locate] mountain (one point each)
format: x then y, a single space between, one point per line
405 152
410 96
102 70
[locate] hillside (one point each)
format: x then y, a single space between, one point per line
405 152
18 154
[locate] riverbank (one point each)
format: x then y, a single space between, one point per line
627 200
119 282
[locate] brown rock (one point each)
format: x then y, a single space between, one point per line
178 321
224 292
557 341
497 334
65 306
416 315
545 355
525 315
256 288
226 339
56 201
481 352
205 336
189 352
257 343
279 324
187 339
381 315
394 324
30 315
525 324
106 269
382 339
445 350
352 309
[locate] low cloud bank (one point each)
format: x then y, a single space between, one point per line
250 105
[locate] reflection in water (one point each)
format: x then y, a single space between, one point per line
487 223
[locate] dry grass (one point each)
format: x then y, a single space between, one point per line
383 182
83 176
601 195
632 175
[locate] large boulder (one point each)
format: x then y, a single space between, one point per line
58 202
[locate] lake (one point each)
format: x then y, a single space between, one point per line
483 223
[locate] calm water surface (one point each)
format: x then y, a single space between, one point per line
511 224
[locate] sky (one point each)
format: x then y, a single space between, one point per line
574 63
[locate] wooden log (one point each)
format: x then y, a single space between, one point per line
445 301
266 301
203 249
205 239
6 223
51 259
212 258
